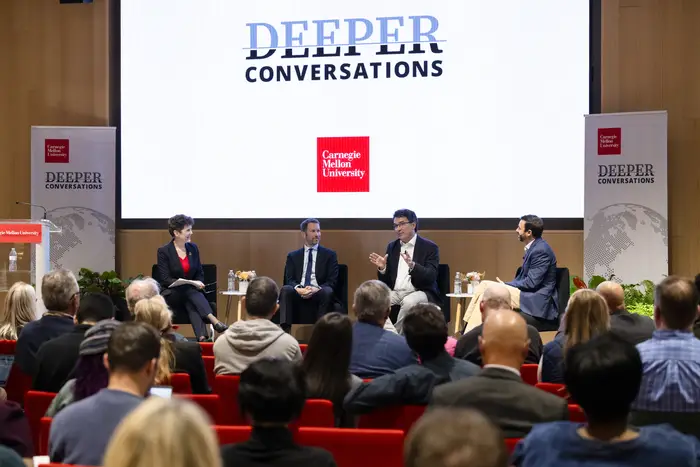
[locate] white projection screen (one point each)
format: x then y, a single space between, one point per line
284 109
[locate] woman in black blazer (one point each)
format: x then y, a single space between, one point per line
179 259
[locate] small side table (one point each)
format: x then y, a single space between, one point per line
461 305
229 296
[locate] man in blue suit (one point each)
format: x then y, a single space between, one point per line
534 289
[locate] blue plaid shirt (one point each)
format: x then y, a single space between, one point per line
671 373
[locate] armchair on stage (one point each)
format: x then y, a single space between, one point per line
210 292
305 312
25 236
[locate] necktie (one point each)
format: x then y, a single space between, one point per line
309 265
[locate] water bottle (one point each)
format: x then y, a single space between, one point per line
13 260
458 284
231 280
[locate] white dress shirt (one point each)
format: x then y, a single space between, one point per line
314 255
527 247
403 278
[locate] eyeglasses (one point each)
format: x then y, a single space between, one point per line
401 224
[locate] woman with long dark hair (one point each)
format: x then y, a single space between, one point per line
89 375
327 364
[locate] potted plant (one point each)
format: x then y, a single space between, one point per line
244 277
108 283
639 298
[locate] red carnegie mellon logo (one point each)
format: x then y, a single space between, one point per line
342 164
609 141
56 151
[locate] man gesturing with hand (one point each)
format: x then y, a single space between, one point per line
409 267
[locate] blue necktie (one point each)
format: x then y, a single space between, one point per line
309 265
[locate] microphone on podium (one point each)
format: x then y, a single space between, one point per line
24 203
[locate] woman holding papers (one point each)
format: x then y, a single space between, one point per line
181 275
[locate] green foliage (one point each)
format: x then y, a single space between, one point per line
639 298
107 282
645 309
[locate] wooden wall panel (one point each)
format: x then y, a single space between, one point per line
55 72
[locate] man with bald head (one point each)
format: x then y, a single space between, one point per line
498 391
140 289
632 327
495 298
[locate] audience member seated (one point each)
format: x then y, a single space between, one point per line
256 336
272 393
183 437
175 357
80 433
90 374
670 389
603 375
376 351
586 316
140 289
454 438
61 296
409 267
311 274
9 458
57 358
19 310
495 298
633 327
327 364
15 432
426 332
498 391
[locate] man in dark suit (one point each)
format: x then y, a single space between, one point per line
534 289
409 267
632 327
498 391
310 275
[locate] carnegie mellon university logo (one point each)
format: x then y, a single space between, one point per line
609 141
56 151
342 164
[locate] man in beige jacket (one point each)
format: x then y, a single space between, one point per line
255 337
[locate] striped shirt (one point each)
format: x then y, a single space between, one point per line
671 373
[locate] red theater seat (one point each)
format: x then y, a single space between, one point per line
398 417
528 372
303 348
226 387
553 388
35 405
44 431
207 349
210 403
510 444
576 414
317 413
181 383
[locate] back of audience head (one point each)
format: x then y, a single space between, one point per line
261 298
155 312
183 438
372 302
60 291
140 289
132 352
94 307
495 297
603 376
454 438
586 316
90 372
613 294
504 339
675 303
272 392
425 330
326 362
19 310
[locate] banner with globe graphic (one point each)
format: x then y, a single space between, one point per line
73 177
626 196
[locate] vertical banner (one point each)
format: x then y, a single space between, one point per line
73 177
626 196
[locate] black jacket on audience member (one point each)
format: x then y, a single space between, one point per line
468 346
56 359
188 359
37 332
274 446
632 327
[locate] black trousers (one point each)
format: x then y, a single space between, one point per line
290 299
542 325
193 301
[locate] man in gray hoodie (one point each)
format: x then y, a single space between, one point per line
255 337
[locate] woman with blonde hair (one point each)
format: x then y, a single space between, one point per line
175 356
183 438
20 309
586 316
